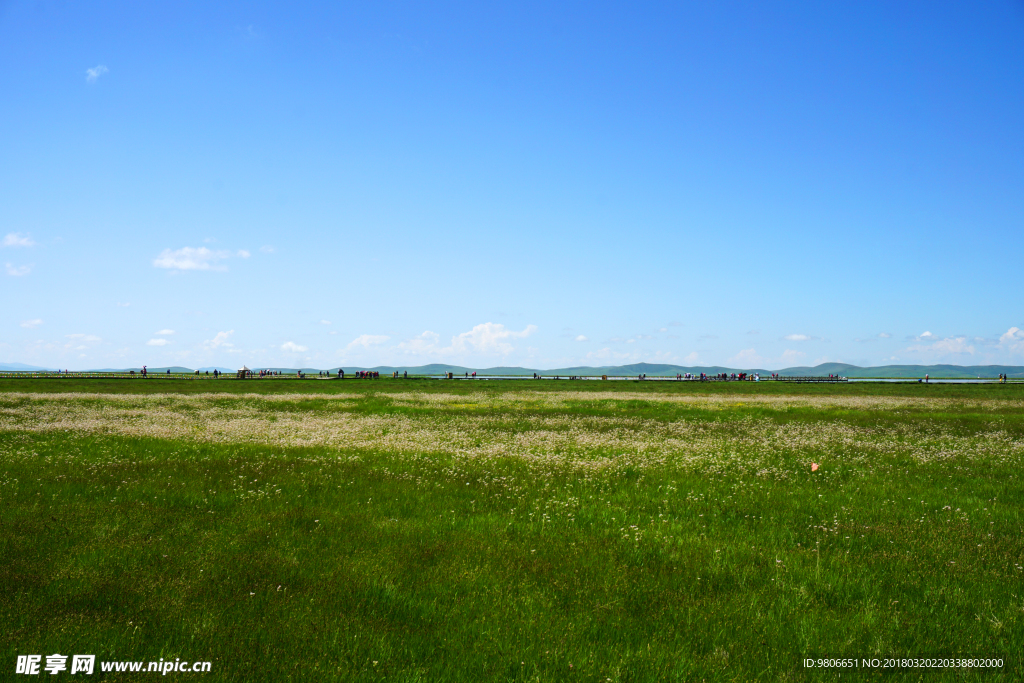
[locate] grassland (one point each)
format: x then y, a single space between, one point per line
511 531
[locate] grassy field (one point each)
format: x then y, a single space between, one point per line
511 531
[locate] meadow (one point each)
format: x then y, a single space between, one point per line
427 530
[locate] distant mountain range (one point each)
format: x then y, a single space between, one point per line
21 367
650 369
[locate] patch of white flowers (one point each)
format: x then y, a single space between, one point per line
449 425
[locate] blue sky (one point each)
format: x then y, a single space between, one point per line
538 184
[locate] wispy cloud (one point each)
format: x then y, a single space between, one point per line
124 304
91 75
16 239
244 253
606 354
18 271
293 347
158 342
935 346
220 340
424 343
91 338
367 340
325 322
162 332
581 338
489 338
873 339
267 249
192 258
798 337
486 338
1013 340
790 356
749 358
1013 334
32 324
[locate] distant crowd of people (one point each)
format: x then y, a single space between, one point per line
720 377
369 374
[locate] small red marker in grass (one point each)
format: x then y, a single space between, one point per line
814 467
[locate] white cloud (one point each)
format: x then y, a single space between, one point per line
158 342
421 344
942 347
18 271
609 356
267 249
325 322
220 340
94 73
486 338
606 354
791 356
191 258
243 253
1013 334
797 337
662 329
1013 340
748 357
293 347
489 338
30 324
16 239
691 358
84 337
884 335
581 338
368 340
165 332
953 345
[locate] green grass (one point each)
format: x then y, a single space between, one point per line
544 546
